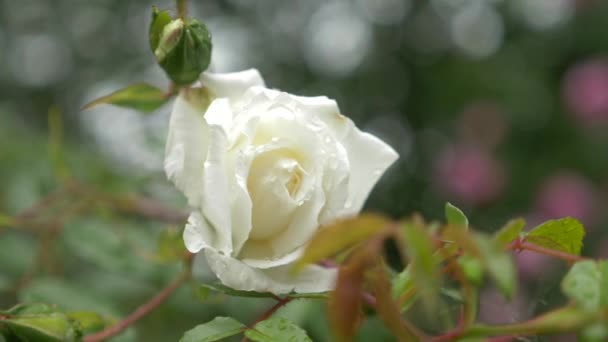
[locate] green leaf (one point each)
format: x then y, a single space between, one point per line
30 309
425 272
564 235
597 332
509 231
341 235
214 330
141 96
582 284
277 329
54 326
455 216
472 268
499 265
403 285
89 322
603 266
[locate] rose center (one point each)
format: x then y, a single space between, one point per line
274 181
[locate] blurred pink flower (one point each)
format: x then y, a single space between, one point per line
567 194
532 265
585 90
469 174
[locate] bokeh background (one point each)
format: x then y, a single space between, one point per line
500 107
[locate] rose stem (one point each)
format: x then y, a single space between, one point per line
282 302
140 312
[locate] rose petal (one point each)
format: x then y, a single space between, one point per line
215 203
198 234
256 255
328 111
336 177
186 149
278 280
240 201
303 225
272 204
220 114
231 85
369 158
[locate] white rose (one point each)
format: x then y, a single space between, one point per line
263 171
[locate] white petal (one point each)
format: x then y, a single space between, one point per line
303 225
231 85
272 204
336 179
220 114
215 203
198 234
186 149
369 158
256 255
240 201
328 111
279 280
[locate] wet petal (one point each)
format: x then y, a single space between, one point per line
278 280
186 148
231 85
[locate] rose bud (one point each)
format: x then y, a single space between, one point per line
181 47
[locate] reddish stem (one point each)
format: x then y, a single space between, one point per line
281 302
139 313
520 244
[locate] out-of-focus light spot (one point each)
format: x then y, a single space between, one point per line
477 29
427 32
39 60
585 89
469 174
285 23
567 194
121 134
448 8
337 40
531 264
234 46
385 12
544 14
